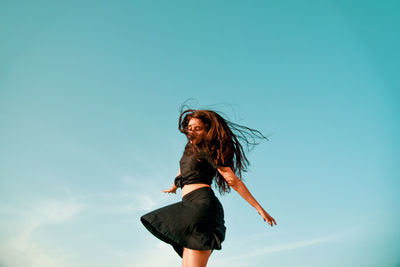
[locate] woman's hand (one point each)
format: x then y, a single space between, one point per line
266 216
171 190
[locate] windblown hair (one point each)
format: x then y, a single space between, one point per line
221 142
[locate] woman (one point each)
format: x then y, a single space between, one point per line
195 226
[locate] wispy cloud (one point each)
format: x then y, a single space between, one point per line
286 246
28 227
18 248
242 259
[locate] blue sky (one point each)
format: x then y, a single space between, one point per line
89 99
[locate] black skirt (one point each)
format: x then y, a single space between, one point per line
196 222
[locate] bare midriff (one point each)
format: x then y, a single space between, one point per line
190 187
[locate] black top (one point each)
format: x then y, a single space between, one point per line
196 167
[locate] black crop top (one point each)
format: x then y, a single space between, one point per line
196 167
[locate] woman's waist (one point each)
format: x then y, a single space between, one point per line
189 188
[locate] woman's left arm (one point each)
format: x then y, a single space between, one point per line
237 184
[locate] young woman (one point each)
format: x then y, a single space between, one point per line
195 226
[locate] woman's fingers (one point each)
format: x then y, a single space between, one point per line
268 218
271 221
169 191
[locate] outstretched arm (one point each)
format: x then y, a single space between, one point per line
237 184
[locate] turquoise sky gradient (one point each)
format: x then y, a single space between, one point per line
89 99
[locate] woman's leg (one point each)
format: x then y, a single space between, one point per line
195 258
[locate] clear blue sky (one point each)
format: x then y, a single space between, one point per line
89 98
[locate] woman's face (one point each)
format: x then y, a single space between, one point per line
195 131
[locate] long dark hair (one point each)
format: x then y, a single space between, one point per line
221 141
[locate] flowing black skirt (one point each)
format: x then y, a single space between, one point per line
196 222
